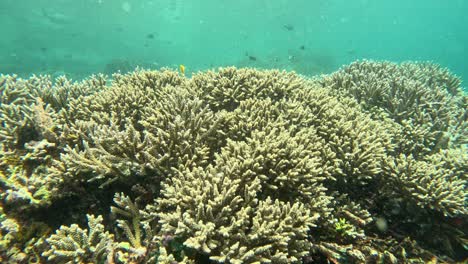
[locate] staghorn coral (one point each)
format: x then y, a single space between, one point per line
427 184
359 144
229 227
425 99
71 244
142 78
258 114
112 156
104 132
247 166
275 234
139 234
27 141
128 209
31 141
454 159
290 165
377 251
143 143
9 228
23 189
349 220
255 114
22 104
227 87
15 111
58 92
184 118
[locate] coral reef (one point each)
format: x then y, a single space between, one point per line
365 165
75 245
426 102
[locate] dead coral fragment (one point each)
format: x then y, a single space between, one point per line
23 189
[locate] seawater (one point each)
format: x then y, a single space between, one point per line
78 38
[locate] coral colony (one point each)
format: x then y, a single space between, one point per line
364 165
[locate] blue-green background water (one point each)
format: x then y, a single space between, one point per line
310 36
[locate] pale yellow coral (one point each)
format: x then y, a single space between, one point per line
245 166
71 244
424 98
227 87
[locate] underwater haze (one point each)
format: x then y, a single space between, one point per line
78 38
232 132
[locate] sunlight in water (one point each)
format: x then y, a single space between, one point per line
126 7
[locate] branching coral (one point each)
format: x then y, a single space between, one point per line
28 143
242 165
71 244
31 141
59 92
22 189
138 233
15 110
220 216
425 99
358 143
218 210
113 155
26 104
183 118
290 165
226 88
170 127
8 230
428 184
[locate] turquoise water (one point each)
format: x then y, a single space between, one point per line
88 36
363 164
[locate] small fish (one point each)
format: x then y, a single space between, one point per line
182 69
150 36
351 52
381 224
457 221
302 47
252 58
433 260
55 17
288 27
126 7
